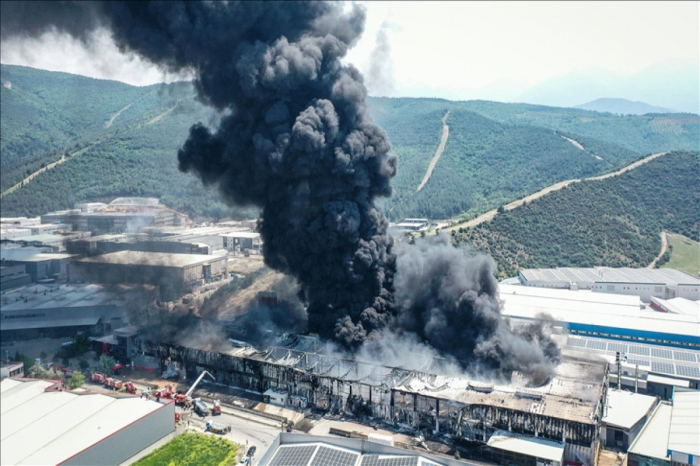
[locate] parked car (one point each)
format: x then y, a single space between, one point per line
251 451
218 428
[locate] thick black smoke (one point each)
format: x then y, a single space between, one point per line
451 300
298 142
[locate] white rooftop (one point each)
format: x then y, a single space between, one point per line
525 445
48 427
678 305
602 310
684 435
610 275
625 409
241 234
652 441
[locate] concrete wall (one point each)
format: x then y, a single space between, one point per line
129 441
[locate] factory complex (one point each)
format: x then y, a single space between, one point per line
629 342
43 424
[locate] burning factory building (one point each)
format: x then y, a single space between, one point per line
566 410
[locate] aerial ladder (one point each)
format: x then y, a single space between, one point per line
186 398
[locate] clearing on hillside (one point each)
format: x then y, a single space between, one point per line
685 254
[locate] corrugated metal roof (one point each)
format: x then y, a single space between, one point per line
684 434
652 441
158 259
41 427
625 409
530 446
610 275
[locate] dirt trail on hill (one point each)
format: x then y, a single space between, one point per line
114 117
42 170
488 216
664 247
438 152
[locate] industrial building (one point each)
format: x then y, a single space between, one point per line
40 266
11 369
625 415
566 410
13 276
645 283
602 315
173 273
121 215
61 310
42 424
242 241
671 435
659 350
311 450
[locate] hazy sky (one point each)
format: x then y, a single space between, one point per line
456 49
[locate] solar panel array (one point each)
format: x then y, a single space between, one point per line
641 362
683 356
688 371
576 342
326 456
663 360
597 344
382 460
612 346
661 353
663 367
642 350
293 455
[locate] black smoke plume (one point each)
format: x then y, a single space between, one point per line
450 299
297 141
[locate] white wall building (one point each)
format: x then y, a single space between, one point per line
40 424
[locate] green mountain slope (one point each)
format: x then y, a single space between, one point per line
485 163
612 222
45 113
131 136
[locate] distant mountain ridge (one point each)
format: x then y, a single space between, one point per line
622 107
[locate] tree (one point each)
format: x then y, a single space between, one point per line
28 362
76 380
84 364
38 372
106 364
501 210
81 344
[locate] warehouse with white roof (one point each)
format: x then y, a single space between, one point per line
41 424
645 283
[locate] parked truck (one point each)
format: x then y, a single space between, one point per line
200 407
185 399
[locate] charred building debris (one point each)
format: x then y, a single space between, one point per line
567 409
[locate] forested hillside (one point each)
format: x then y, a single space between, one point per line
121 140
613 222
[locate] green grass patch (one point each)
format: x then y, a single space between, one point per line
193 450
685 254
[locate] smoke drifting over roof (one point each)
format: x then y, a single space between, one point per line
298 142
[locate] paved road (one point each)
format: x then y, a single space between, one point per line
243 431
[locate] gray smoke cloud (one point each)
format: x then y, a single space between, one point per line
296 140
380 76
